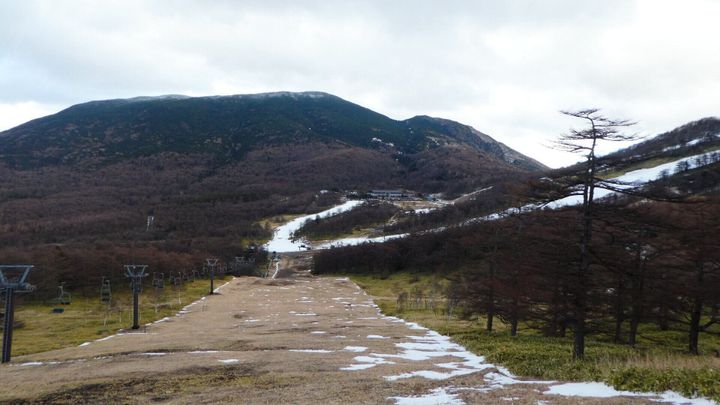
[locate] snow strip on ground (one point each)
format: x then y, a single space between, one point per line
433 345
282 238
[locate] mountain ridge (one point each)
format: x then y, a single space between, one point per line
229 126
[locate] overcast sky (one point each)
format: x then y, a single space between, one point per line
504 67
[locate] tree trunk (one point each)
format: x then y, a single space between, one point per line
632 336
579 338
491 299
619 311
562 331
664 321
580 296
695 326
637 288
584 268
514 318
696 312
553 327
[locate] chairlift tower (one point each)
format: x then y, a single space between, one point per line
64 296
13 279
136 272
211 263
105 292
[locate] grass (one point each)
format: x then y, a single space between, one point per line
658 363
87 319
277 220
353 233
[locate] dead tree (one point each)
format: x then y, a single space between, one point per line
585 142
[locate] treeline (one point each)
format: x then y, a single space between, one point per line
186 199
650 263
168 211
80 268
371 213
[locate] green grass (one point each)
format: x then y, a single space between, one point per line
658 363
87 319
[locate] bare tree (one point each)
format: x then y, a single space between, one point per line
585 141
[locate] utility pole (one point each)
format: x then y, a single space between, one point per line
136 272
13 278
211 263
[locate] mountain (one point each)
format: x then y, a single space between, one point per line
214 171
229 127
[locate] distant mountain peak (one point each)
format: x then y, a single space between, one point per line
228 127
467 134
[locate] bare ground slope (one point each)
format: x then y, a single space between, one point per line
295 339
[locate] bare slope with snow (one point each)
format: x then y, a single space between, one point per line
283 341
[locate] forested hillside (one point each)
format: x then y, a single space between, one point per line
77 187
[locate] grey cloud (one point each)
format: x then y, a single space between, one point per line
504 67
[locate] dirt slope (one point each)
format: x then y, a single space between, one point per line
296 339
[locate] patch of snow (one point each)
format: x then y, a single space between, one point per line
436 396
355 349
282 237
415 326
423 210
694 142
310 350
229 361
376 336
358 241
372 360
356 367
430 375
589 389
675 398
602 390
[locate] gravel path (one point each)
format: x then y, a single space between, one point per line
297 339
